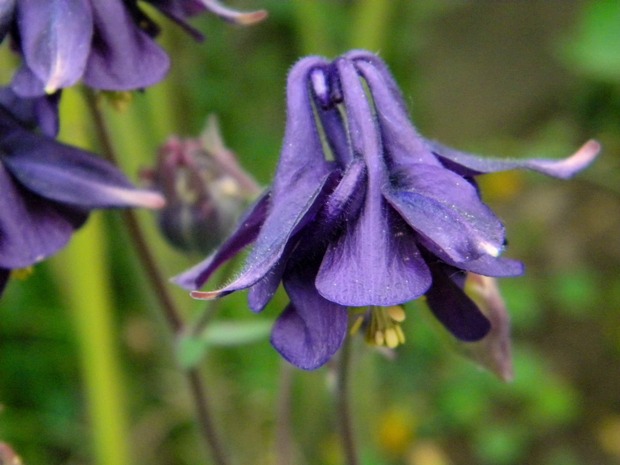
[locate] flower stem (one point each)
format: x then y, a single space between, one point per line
284 440
171 313
343 407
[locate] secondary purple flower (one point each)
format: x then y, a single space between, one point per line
48 188
366 212
107 44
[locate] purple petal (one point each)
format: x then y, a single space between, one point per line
347 198
447 211
302 180
375 262
65 174
311 329
26 84
451 306
55 37
302 161
123 57
39 112
486 265
31 228
402 143
261 293
470 165
280 225
245 233
7 13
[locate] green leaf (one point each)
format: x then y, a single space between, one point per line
192 347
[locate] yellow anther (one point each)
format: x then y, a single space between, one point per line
379 339
396 313
391 337
384 329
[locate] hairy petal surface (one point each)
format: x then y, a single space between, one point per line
447 211
311 329
245 233
55 37
402 144
375 262
468 164
280 225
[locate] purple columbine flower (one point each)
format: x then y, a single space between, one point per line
109 44
366 212
48 188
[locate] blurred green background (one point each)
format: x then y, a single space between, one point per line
86 360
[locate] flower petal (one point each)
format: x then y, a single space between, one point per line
123 57
31 228
402 144
41 112
234 16
55 38
451 306
302 181
302 163
375 262
65 174
446 209
470 165
280 225
486 265
245 233
311 329
7 13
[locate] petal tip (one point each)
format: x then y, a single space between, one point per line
205 295
570 166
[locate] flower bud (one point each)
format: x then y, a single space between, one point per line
205 188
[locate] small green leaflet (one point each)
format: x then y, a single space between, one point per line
192 347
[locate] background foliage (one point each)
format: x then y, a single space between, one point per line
531 78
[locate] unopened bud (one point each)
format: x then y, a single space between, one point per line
205 189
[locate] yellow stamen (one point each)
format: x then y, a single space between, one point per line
355 327
384 326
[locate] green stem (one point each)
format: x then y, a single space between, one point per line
172 315
83 274
312 27
343 407
369 25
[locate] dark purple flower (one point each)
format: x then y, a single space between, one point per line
48 188
109 44
366 212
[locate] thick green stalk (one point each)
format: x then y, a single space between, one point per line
312 28
369 27
82 271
